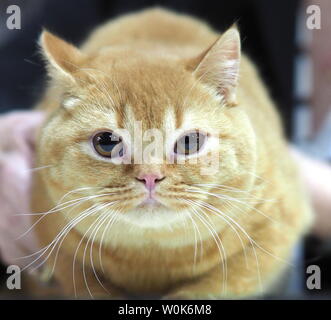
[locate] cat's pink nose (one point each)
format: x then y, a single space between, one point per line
150 180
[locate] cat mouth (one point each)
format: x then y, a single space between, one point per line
150 202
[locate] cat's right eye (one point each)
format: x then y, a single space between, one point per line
108 144
190 143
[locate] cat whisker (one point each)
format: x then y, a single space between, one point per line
63 233
78 190
44 215
97 224
73 203
67 231
219 243
105 92
196 230
59 205
184 222
223 217
95 98
108 227
39 168
78 246
240 239
252 242
195 242
86 245
259 177
232 189
42 251
108 216
228 198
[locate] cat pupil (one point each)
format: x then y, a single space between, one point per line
189 144
105 143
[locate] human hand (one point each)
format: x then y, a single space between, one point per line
17 142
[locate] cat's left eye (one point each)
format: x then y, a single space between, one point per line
108 144
190 143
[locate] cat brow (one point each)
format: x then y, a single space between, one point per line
71 102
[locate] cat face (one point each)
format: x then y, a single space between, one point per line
146 138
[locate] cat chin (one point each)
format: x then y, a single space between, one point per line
154 217
151 204
140 228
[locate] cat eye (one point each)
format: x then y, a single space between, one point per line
108 144
190 143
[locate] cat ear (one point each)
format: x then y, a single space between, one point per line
219 65
63 58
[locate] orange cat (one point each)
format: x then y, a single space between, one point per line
213 211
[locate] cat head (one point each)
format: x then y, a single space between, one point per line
145 136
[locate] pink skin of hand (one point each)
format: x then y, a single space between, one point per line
17 135
316 176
